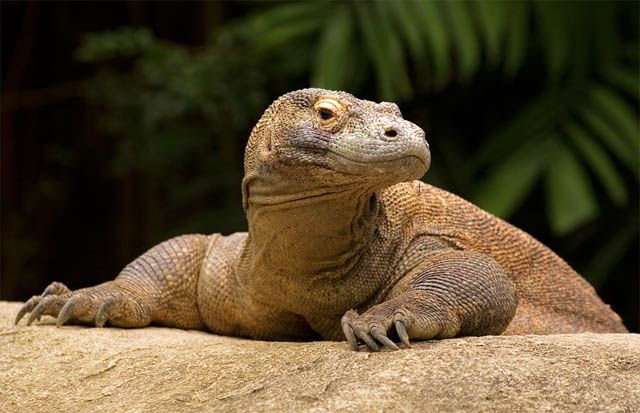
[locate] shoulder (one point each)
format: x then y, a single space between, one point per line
420 205
417 196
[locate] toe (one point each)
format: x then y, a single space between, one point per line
364 336
402 333
49 305
56 288
349 334
382 338
27 307
67 311
347 319
102 315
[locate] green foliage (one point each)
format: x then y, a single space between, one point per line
570 198
501 193
571 136
337 45
126 42
175 117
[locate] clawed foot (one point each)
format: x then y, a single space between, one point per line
95 305
372 330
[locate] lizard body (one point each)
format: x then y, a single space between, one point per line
343 242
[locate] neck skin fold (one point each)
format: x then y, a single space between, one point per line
304 232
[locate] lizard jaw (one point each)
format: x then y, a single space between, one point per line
405 168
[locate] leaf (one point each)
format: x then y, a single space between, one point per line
395 54
492 22
556 36
606 132
466 45
526 124
385 49
569 195
435 35
599 161
264 21
278 36
511 180
125 42
624 78
619 113
334 57
375 50
279 25
409 25
516 47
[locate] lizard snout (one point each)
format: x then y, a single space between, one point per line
393 130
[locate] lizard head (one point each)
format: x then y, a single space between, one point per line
323 137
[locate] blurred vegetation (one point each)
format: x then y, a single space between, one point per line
179 119
531 109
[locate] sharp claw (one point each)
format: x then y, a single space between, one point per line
37 312
368 340
50 290
402 333
67 312
384 340
27 307
351 337
21 313
102 316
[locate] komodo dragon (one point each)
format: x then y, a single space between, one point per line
343 241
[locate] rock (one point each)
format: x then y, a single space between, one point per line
43 368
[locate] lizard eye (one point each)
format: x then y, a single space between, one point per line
328 109
325 114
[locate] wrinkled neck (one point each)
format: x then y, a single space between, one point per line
312 231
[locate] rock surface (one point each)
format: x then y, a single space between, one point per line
43 368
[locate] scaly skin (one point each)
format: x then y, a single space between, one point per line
343 242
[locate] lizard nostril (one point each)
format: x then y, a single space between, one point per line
391 133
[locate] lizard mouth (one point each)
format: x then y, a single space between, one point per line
382 162
406 167
424 161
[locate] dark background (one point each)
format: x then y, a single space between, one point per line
124 123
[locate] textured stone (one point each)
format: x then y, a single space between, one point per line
43 368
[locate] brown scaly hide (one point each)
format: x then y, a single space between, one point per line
343 242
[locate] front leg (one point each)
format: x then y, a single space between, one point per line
159 287
453 293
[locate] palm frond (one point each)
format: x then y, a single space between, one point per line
599 162
277 26
511 181
625 79
492 22
335 55
570 201
516 37
619 113
430 20
597 122
386 52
